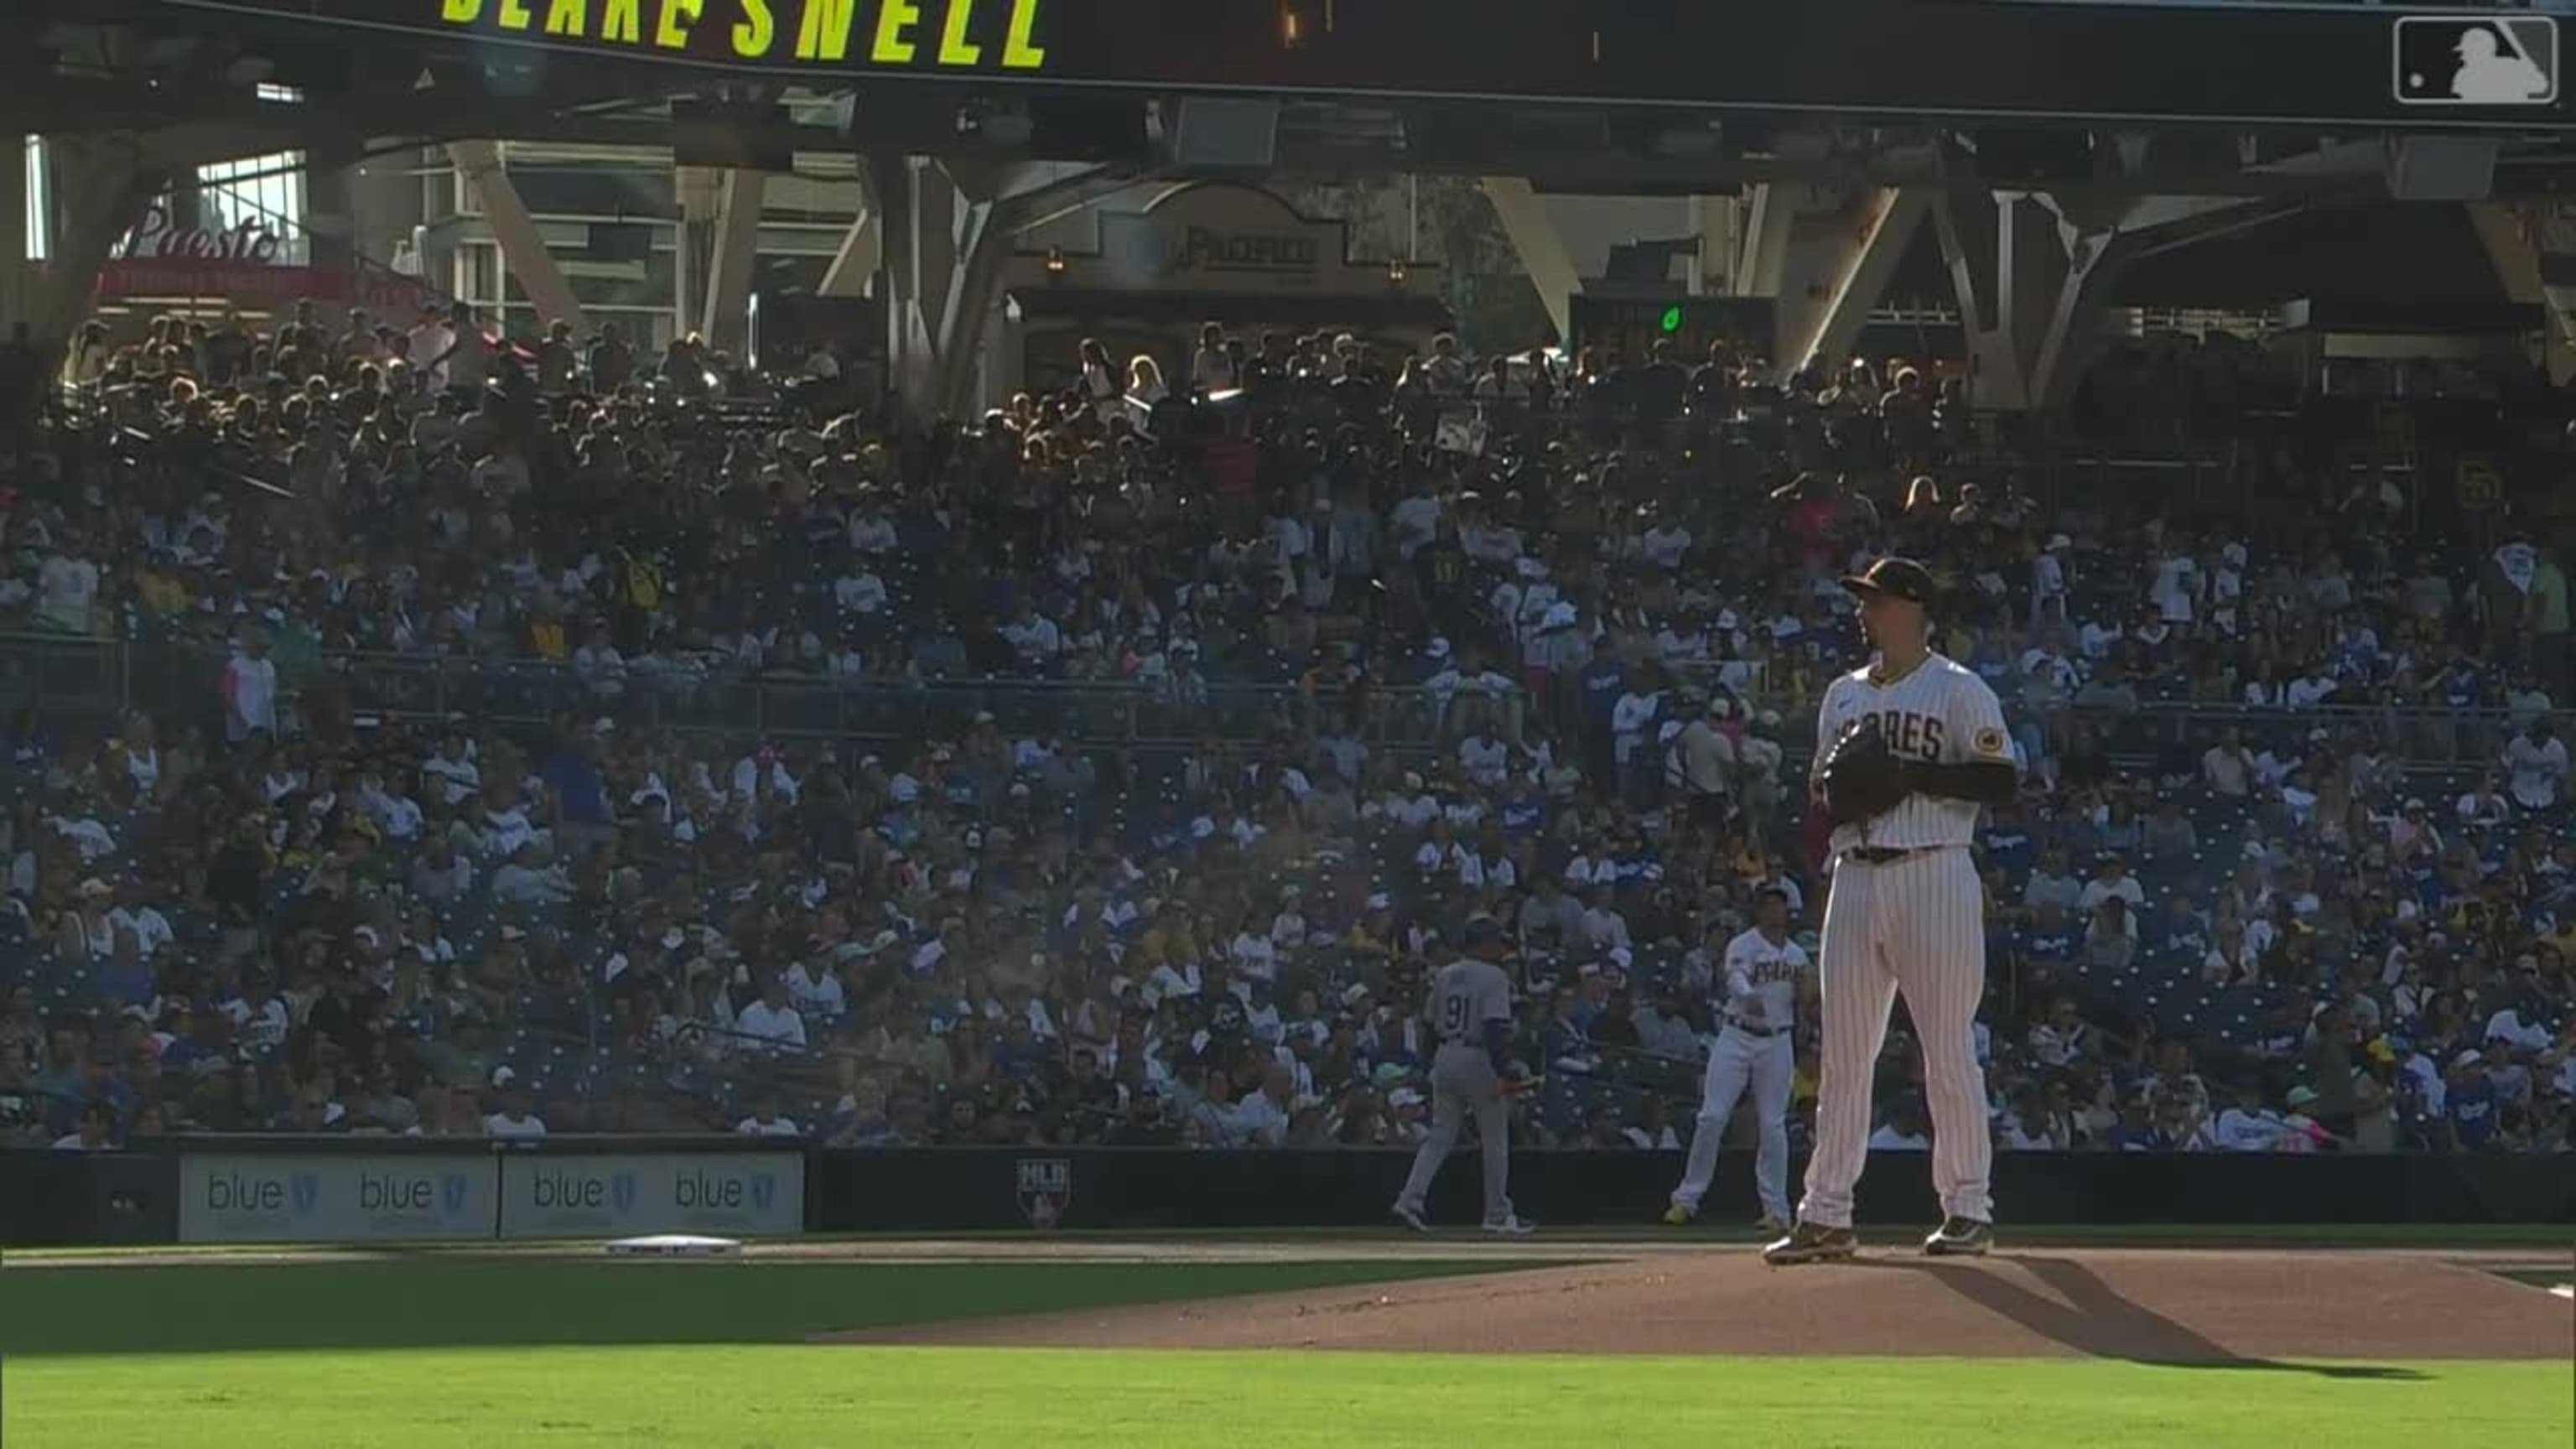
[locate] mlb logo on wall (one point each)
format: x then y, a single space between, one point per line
1046 1188
2483 60
621 1192
452 1189
306 1190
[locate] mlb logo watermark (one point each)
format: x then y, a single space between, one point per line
2480 60
1046 1189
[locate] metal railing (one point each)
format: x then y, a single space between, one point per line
2424 736
62 679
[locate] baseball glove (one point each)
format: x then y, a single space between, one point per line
1861 778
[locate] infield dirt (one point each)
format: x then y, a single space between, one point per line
2146 1305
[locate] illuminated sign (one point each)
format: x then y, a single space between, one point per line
1631 326
1203 249
2103 62
155 238
1216 235
946 34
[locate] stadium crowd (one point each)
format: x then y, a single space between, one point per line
1220 713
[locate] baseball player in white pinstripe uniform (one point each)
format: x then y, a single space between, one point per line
1906 913
1764 977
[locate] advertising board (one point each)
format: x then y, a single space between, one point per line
622 1195
308 1198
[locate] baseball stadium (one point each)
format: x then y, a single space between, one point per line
812 722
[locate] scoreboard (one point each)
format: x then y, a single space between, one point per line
2103 62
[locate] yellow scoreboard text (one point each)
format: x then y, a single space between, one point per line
944 34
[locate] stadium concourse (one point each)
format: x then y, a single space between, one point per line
579 741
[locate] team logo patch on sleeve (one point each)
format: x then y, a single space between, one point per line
1990 741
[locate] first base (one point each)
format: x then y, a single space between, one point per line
675 1245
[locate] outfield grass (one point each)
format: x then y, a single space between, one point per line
794 1396
414 1303
484 1352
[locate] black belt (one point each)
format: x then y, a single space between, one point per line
1749 1029
1883 854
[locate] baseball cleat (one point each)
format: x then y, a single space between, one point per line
1410 1216
1771 1226
1679 1215
1959 1237
1811 1243
1511 1227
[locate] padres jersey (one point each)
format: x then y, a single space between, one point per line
1937 712
1466 995
1759 971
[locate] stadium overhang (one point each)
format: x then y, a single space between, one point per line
1966 62
1885 116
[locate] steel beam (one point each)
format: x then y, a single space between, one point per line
1762 246
2019 273
99 187
2533 250
861 253
1831 283
21 276
726 318
1541 248
693 244
944 253
523 251
2033 275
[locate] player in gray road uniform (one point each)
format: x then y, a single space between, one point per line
1471 1008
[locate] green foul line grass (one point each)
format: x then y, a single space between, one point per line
2434 1235
786 1397
458 1303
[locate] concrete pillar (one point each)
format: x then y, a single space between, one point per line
944 248
330 216
944 253
1762 240
698 190
522 249
861 253
727 320
2533 250
19 276
2033 274
99 185
1715 221
1541 248
1834 277
912 370
2071 279
719 243
2028 296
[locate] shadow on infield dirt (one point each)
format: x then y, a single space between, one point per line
2096 1320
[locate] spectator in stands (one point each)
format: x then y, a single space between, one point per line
1608 647
514 1117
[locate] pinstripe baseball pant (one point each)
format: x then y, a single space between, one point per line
1914 924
